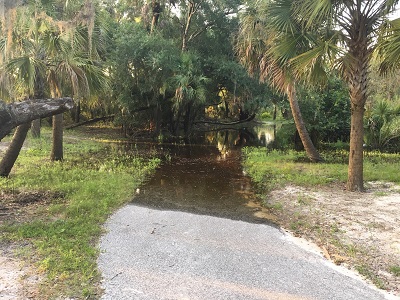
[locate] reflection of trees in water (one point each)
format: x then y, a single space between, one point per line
266 134
226 140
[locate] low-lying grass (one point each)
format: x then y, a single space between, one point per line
93 180
270 169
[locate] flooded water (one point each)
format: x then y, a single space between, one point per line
205 178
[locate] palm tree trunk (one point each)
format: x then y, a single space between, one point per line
78 111
13 150
57 147
35 128
311 151
356 168
357 77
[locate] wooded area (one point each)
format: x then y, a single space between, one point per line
193 61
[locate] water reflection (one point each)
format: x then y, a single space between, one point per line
205 178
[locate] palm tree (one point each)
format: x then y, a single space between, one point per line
382 122
48 54
348 33
190 89
266 42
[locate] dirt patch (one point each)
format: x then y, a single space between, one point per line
21 206
359 230
18 279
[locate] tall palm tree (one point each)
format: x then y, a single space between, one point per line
21 71
266 42
348 33
54 53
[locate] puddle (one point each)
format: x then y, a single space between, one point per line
205 179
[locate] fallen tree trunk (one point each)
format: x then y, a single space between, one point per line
227 123
15 114
91 121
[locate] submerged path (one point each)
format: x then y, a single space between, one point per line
196 231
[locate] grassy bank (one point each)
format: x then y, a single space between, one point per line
273 169
60 237
356 229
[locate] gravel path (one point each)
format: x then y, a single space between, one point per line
155 254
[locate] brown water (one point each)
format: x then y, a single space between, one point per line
204 179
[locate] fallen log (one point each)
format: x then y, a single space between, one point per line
91 121
227 123
17 113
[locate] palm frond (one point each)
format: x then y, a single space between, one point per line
280 17
388 48
314 12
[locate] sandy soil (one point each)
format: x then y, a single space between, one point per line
358 230
19 279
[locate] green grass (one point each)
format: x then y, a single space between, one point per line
272 169
395 270
368 273
93 180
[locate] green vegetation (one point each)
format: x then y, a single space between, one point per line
270 169
91 182
366 271
395 270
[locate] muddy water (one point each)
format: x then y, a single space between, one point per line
204 178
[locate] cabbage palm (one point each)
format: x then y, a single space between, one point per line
268 38
382 124
52 57
190 89
357 30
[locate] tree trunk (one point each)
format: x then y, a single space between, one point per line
358 96
356 73
186 121
15 114
78 111
13 150
226 104
158 118
156 9
57 147
312 153
191 12
35 128
355 168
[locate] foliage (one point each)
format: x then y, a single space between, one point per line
383 126
270 36
327 111
310 37
150 69
395 270
94 181
53 49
